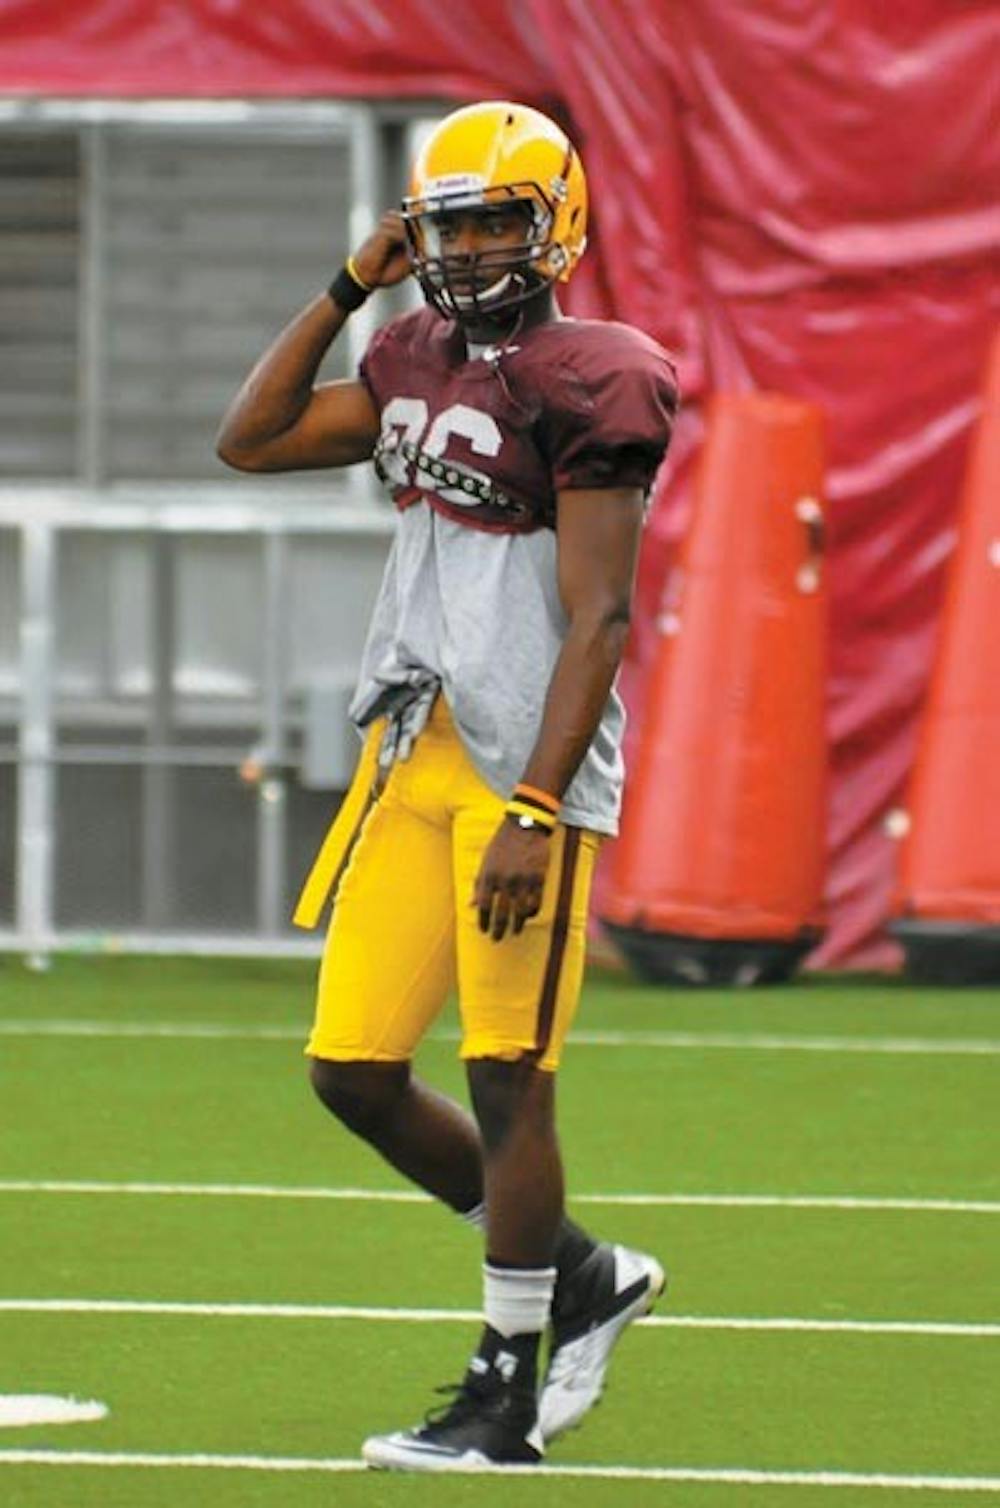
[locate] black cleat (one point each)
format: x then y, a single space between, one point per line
491 1422
597 1303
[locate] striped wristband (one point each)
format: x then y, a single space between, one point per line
535 797
531 808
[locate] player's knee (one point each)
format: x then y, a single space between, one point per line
363 1096
509 1094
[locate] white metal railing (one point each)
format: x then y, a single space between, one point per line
40 518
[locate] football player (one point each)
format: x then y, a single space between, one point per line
518 447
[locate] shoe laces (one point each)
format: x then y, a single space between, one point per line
464 1400
476 1398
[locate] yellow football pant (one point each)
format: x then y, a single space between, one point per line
403 931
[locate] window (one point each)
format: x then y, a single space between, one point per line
39 269
143 268
210 247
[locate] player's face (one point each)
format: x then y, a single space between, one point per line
466 237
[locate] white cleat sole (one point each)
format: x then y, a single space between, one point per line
395 1453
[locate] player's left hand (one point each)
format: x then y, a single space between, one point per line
511 879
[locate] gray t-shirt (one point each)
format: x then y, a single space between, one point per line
482 612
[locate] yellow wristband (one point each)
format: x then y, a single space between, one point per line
355 276
530 816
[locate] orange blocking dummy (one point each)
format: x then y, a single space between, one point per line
717 876
949 890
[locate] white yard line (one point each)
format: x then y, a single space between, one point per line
181 1030
731 1476
696 1041
971 1331
769 1042
859 1202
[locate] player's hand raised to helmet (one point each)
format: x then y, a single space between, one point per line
383 259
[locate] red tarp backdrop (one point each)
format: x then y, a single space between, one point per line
798 195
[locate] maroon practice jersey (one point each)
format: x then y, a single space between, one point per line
489 440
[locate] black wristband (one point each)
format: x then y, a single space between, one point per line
347 294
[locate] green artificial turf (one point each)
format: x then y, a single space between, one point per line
94 1088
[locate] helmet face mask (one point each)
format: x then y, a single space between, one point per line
480 162
476 285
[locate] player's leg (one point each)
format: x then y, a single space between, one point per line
495 1411
514 1102
519 998
422 1134
387 968
502 986
593 1300
494 1417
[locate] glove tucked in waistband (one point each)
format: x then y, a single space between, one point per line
406 706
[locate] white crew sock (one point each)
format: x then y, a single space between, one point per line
476 1216
517 1300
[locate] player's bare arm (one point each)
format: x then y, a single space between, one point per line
282 419
598 534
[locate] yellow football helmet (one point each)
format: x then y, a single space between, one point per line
481 158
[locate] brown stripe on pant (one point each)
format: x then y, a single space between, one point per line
557 946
